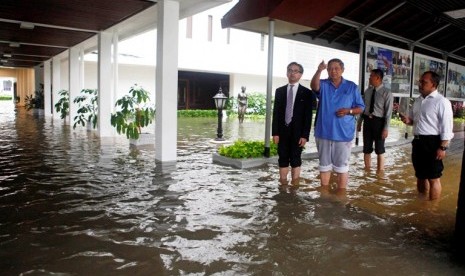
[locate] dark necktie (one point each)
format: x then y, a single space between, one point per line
289 104
372 102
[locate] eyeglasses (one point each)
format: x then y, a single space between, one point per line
290 71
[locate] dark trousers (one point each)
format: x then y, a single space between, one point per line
289 151
424 160
372 131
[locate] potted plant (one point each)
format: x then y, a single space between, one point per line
87 108
62 106
134 113
36 102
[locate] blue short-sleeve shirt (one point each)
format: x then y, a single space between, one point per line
328 126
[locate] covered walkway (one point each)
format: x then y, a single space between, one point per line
52 35
71 204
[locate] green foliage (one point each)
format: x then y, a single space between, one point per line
197 113
256 104
396 121
134 112
247 149
36 101
29 102
5 98
62 105
87 108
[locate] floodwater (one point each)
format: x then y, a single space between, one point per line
71 204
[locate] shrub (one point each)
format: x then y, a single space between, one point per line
6 98
36 101
198 113
87 108
458 109
62 106
134 112
247 149
256 104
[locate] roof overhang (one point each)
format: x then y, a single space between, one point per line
290 16
33 31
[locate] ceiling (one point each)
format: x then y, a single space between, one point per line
420 25
57 26
61 24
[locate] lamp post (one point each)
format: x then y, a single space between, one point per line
220 101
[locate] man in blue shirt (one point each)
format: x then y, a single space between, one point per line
339 101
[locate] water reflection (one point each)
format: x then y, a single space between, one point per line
74 204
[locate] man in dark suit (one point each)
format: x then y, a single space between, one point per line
292 118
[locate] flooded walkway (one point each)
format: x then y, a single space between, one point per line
72 204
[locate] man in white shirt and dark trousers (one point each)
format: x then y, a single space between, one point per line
432 120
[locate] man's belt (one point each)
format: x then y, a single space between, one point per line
418 137
371 116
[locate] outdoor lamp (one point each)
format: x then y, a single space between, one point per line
220 101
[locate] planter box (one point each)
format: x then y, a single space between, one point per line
243 163
144 139
256 162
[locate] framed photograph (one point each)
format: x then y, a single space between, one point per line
421 64
455 88
396 64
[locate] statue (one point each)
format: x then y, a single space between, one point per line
241 104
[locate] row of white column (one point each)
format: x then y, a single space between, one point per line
166 81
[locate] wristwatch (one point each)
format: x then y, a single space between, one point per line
350 111
443 148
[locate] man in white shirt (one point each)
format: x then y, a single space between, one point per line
432 120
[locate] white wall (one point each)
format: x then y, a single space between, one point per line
64 75
254 83
244 58
128 76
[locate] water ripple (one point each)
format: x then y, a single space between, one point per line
72 204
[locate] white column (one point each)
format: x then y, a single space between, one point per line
269 87
56 84
166 124
81 69
47 88
115 40
74 81
105 99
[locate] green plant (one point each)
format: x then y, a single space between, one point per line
197 113
134 112
5 98
246 149
87 108
29 102
256 104
36 101
62 105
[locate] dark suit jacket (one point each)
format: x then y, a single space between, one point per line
302 113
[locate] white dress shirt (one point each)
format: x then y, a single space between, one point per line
433 116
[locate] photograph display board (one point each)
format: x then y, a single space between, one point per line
455 88
424 63
396 64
